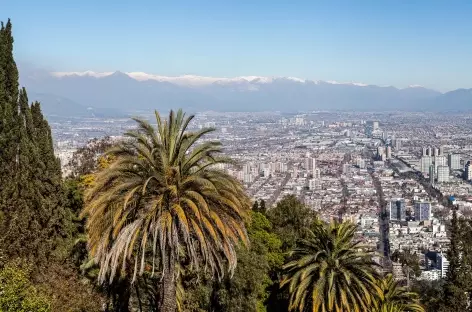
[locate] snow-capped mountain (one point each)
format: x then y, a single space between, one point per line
133 91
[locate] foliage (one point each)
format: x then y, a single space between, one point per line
393 297
17 294
247 290
87 159
163 199
409 262
329 272
290 219
431 294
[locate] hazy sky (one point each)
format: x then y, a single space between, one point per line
379 42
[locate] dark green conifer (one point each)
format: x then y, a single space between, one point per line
455 297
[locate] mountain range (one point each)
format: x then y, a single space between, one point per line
117 93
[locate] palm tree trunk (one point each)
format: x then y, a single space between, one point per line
167 298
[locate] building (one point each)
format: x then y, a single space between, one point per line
380 151
388 152
397 209
360 163
425 162
310 164
431 275
441 150
436 151
468 171
454 161
314 184
442 264
398 144
443 174
425 152
440 161
422 211
317 174
428 152
432 174
346 168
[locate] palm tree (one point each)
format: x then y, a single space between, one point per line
164 201
395 298
329 272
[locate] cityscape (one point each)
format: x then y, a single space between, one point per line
361 167
241 156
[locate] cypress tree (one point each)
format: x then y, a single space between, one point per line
33 219
455 297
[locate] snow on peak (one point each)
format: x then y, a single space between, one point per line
196 81
81 74
415 86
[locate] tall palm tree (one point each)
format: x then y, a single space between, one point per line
393 297
329 272
163 201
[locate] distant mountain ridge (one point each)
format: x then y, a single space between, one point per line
137 91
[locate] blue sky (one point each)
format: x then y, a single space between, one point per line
380 42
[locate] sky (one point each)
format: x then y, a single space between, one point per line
380 42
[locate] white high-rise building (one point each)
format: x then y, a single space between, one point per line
443 174
375 125
454 161
317 174
389 152
310 164
440 161
425 151
425 163
441 150
436 151
428 151
443 264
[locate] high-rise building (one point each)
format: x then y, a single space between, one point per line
310 164
317 174
443 174
440 161
468 171
380 152
398 144
432 173
441 150
425 163
375 125
397 209
422 211
436 151
454 161
346 168
425 151
389 152
428 151
443 264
